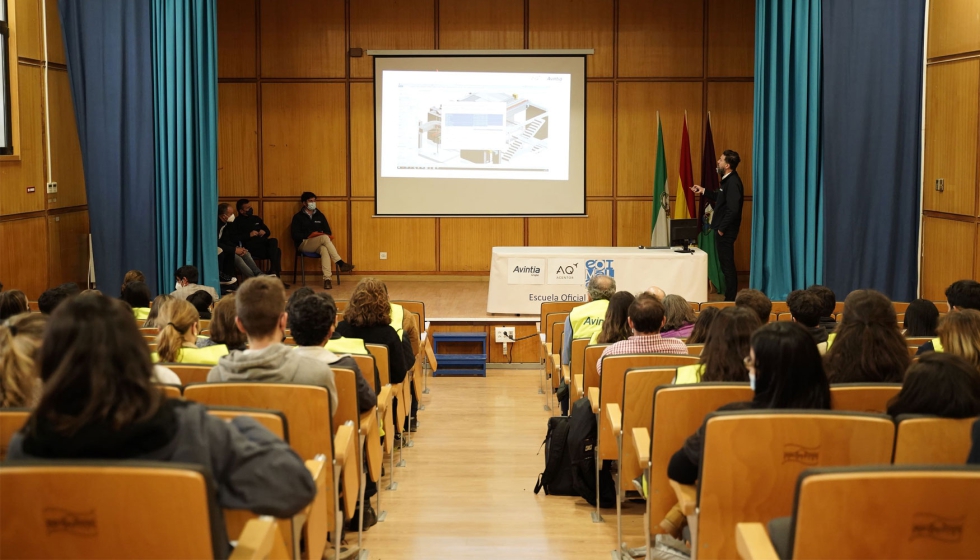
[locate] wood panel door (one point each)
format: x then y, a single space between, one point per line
947 254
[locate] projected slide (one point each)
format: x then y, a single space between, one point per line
475 125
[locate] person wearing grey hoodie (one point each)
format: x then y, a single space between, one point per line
260 306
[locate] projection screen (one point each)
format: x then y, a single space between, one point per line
479 135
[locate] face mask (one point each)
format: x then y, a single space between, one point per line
752 381
720 170
177 286
311 205
248 212
230 218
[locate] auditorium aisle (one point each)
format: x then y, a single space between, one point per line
468 488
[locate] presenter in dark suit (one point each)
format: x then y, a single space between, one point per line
727 217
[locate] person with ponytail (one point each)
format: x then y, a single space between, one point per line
20 338
177 341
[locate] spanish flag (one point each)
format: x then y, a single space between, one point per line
684 206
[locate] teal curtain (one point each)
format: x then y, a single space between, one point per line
185 123
787 225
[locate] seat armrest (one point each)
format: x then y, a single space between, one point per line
687 497
565 374
753 543
615 417
594 399
384 399
547 348
256 540
369 422
641 443
578 382
343 443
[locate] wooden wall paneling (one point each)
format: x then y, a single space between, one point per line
592 231
303 38
464 24
952 121
944 262
304 136
236 38
731 38
466 243
525 351
730 105
16 177
389 24
68 254
574 24
22 265
633 219
409 242
238 164
976 259
362 139
743 243
660 38
599 139
56 43
636 116
28 28
66 152
278 214
954 27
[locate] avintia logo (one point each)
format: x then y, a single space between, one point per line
527 270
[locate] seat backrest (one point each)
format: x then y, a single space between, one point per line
784 317
171 391
341 305
346 383
930 440
862 397
548 323
11 421
839 308
271 420
637 410
557 336
695 349
89 511
890 512
751 461
416 307
611 387
577 360
779 307
695 306
190 373
149 331
380 353
365 363
917 341
900 306
717 304
678 412
565 307
590 367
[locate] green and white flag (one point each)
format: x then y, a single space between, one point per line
660 227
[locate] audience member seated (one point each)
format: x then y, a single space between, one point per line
99 403
187 283
12 302
806 307
756 301
132 276
962 294
921 319
311 234
223 329
724 352
585 320
137 294
71 289
828 308
177 341
257 237
231 241
679 321
201 301
368 318
867 346
701 326
51 299
942 385
645 318
20 338
959 334
260 306
161 304
657 292
615 327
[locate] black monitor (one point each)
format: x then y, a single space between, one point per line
684 232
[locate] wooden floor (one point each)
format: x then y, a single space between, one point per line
467 490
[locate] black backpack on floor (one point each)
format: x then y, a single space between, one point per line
583 435
557 478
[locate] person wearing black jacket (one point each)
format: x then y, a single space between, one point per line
311 234
256 236
727 218
230 242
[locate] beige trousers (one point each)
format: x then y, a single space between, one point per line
328 253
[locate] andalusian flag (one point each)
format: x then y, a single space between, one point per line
660 228
684 207
711 182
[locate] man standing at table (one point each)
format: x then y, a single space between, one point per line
727 217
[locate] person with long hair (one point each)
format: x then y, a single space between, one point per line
867 346
939 384
680 317
921 318
159 311
177 340
615 326
725 348
12 302
132 276
20 339
137 295
99 403
702 325
959 334
223 329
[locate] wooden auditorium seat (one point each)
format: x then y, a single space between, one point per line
873 513
416 307
11 421
779 307
89 511
717 304
271 420
590 372
346 384
189 373
171 391
930 440
751 461
863 397
917 341
695 349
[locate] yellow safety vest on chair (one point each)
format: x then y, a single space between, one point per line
587 319
397 318
346 346
937 345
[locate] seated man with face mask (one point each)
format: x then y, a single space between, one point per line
311 234
229 241
187 283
